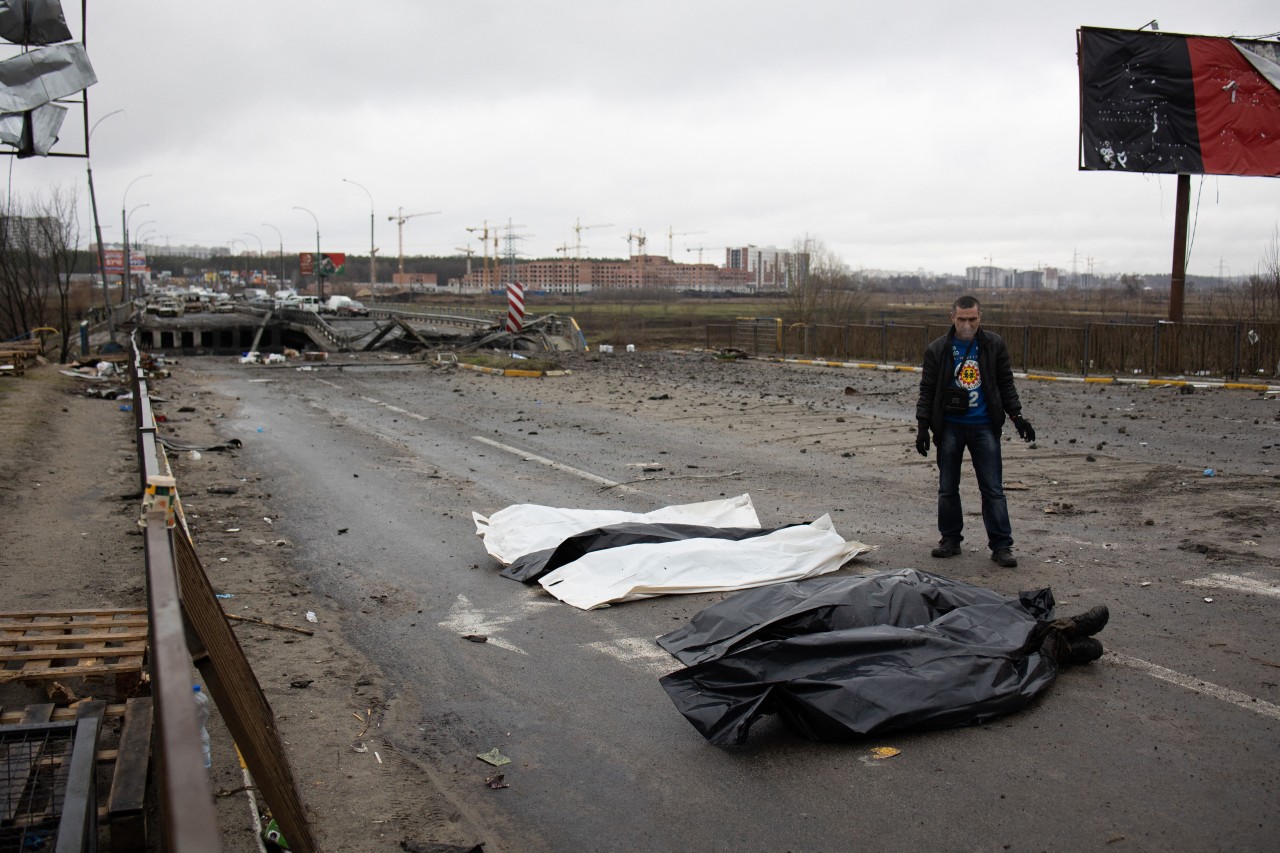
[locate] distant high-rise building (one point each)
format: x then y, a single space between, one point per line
772 270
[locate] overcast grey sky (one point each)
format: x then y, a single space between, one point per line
909 135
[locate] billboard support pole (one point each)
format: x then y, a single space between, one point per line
1177 281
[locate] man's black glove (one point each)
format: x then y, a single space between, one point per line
922 439
1026 431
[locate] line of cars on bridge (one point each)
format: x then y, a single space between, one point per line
337 305
176 301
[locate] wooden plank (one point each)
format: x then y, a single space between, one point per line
95 612
136 634
86 655
125 806
234 687
38 673
7 718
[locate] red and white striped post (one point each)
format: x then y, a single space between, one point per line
515 306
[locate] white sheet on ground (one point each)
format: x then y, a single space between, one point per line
521 529
701 565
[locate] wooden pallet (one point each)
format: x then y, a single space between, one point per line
12 363
56 645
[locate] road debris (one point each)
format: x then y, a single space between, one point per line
258 621
494 757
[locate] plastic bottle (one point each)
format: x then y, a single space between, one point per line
202 711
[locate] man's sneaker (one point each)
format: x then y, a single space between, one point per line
1091 621
1004 557
1085 650
947 548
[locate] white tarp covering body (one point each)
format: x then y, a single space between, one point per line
701 565
522 528
696 564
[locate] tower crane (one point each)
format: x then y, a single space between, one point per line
484 230
640 239
578 228
701 249
672 234
468 251
400 219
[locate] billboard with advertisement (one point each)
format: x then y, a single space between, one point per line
1170 103
331 263
114 259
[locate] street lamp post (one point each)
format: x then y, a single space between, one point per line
315 262
124 223
281 236
231 243
261 251
372 250
97 227
128 258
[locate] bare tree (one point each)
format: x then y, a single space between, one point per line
23 287
822 289
59 232
37 250
1258 297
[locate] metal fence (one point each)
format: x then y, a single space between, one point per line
1225 350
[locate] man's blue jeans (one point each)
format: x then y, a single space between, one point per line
983 443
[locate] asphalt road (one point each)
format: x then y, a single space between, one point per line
1168 743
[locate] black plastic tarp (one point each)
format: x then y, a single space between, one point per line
839 658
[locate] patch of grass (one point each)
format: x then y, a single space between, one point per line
506 362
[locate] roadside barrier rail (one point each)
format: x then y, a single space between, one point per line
187 626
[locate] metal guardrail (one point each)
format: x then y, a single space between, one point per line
189 821
187 625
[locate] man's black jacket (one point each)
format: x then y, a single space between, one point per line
997 380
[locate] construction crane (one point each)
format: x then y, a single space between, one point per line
468 251
484 230
400 219
672 234
578 228
639 238
700 249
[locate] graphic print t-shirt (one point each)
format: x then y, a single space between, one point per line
966 375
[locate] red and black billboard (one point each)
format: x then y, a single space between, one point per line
331 263
1164 102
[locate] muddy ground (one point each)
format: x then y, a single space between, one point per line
1129 464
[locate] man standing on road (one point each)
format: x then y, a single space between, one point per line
965 390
